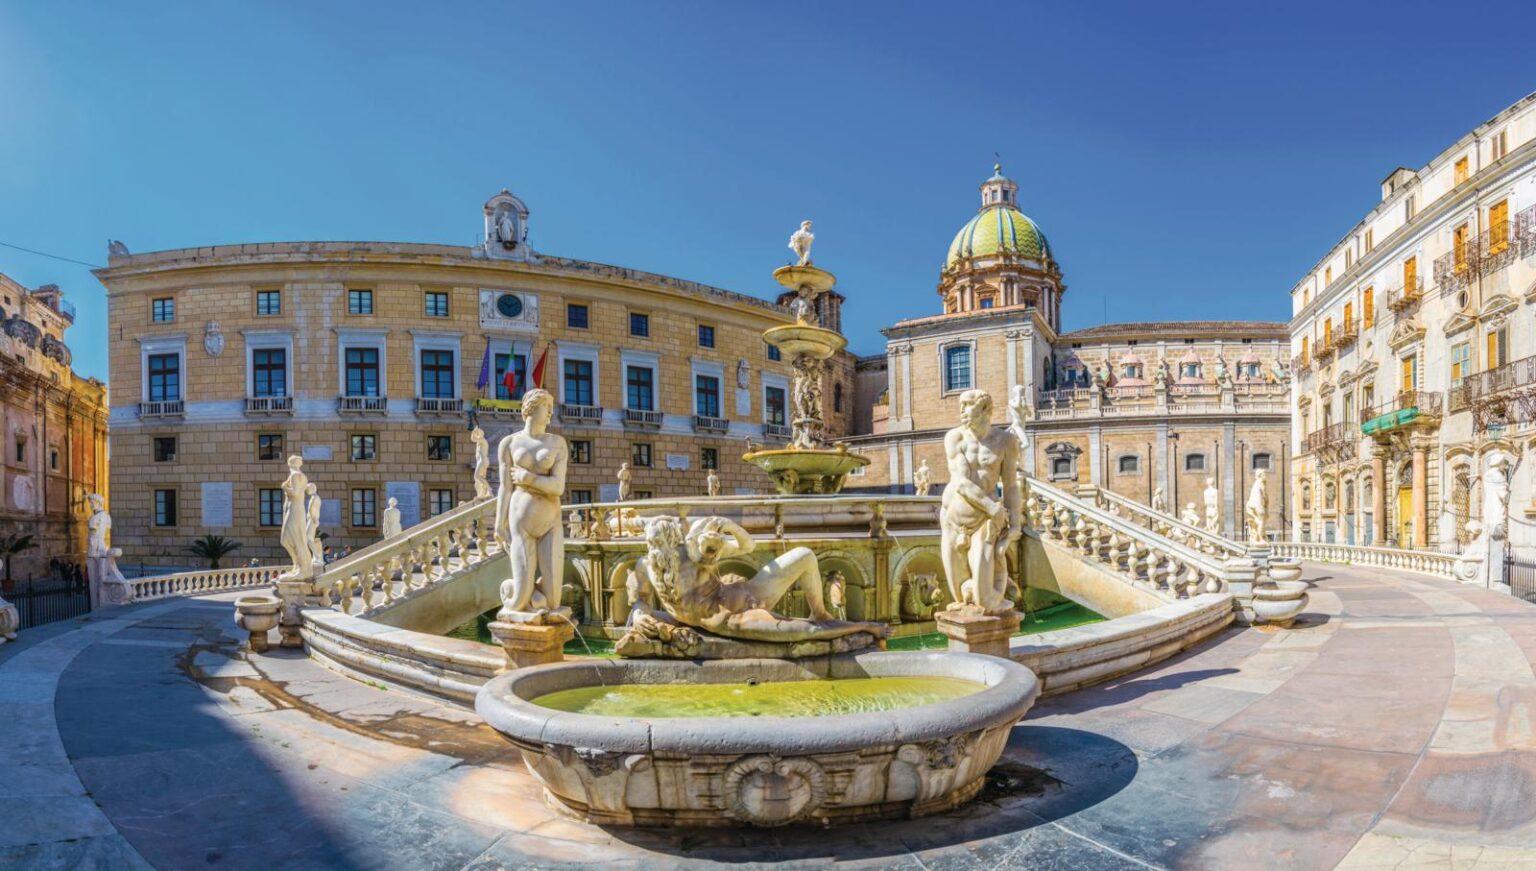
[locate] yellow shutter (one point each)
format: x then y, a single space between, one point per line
1495 349
1461 170
1303 349
1409 382
1349 315
1498 225
1368 308
1410 275
1459 247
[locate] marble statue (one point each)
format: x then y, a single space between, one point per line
1019 414
312 506
1223 374
101 558
294 534
506 227
807 402
678 588
976 525
837 596
533 462
623 475
1257 508
800 243
1164 377
920 597
1190 516
743 374
922 479
1279 373
10 618
712 483
1480 561
1212 497
573 524
1159 501
1496 496
800 307
482 463
391 522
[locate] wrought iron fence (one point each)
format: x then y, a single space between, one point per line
1520 574
44 600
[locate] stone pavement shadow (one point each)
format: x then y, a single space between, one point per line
1124 691
1046 773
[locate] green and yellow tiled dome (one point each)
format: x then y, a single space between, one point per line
998 229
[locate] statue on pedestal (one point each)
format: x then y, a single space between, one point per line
1190 516
922 479
623 475
712 483
108 586
1257 508
294 534
391 522
1212 497
837 596
482 463
312 526
1159 501
976 526
533 463
800 243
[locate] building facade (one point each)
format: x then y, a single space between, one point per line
1415 351
366 359
1132 408
55 430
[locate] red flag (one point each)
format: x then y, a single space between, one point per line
538 368
509 380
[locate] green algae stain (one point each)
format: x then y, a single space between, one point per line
803 698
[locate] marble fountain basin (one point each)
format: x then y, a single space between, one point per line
901 755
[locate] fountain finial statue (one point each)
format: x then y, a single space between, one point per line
533 462
977 526
678 584
800 243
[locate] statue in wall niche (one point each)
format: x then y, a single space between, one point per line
800 243
1159 501
922 479
506 226
678 590
1223 375
1257 508
482 463
977 526
743 374
623 474
712 483
294 534
1164 377
837 596
921 595
1190 517
533 462
1212 497
390 526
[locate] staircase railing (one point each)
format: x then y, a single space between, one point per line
1170 526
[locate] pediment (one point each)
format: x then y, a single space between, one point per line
1406 333
1498 304
1459 323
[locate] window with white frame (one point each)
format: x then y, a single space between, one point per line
957 367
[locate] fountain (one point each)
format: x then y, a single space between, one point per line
806 464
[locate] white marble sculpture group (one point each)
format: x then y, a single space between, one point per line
300 532
977 526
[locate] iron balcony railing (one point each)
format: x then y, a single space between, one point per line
498 409
1499 379
1426 403
777 431
1330 436
1407 296
1488 252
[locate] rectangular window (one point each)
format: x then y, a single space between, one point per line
1129 465
1461 359
365 446
1497 348
165 507
439 447
269 302
1368 308
1349 316
362 371
1408 210
162 310
709 458
1500 144
578 382
436 304
164 377
639 324
1498 227
639 388
706 336
1459 246
957 367
269 507
269 446
1410 275
439 502
774 353
364 507
269 372
1194 462
1370 239
1462 170
519 376
437 374
706 395
580 497
640 455
643 494
581 452
165 449
359 302
576 315
774 400
1327 276
1410 373
1261 462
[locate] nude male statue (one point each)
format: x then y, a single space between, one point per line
976 526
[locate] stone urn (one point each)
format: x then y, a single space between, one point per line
1284 569
1279 602
258 615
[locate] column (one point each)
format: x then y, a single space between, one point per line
1420 496
1378 496
1095 456
1012 337
1161 469
906 384
893 382
1229 498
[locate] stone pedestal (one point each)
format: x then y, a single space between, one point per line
293 594
972 631
532 643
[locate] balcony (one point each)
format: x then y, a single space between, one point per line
704 423
362 405
777 431
1503 393
1491 250
1347 335
1301 364
439 405
168 408
1407 408
585 414
267 405
1325 351
1405 297
1332 443
510 410
642 417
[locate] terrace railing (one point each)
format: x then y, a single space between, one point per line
201 583
1427 562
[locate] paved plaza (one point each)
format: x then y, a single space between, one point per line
1394 727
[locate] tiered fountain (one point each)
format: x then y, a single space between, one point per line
807 464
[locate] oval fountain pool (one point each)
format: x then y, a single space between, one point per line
913 754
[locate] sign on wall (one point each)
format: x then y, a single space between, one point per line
677 462
408 495
316 452
218 504
608 493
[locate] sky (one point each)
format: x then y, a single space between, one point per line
1186 160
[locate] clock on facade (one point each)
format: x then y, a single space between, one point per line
509 305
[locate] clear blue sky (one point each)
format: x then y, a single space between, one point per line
1186 160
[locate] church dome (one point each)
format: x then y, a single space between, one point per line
999 228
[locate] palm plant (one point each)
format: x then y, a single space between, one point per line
213 548
10 545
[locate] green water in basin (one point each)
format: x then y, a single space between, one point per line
802 698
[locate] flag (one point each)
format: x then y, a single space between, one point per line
538 368
509 377
485 367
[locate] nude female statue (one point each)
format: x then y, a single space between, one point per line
482 463
976 527
681 574
294 535
528 525
312 523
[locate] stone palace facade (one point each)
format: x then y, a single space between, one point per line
1415 351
